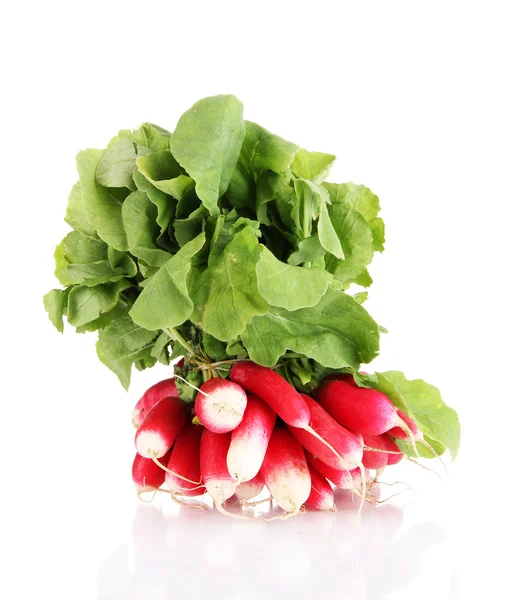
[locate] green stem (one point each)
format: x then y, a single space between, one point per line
174 335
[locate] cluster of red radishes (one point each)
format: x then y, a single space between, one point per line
232 442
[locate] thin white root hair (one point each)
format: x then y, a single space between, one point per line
286 515
249 503
364 489
164 468
403 425
436 455
380 450
410 459
141 499
226 513
334 508
190 384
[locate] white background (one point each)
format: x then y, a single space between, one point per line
412 98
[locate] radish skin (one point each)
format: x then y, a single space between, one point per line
149 399
400 434
392 459
184 461
375 459
285 471
343 479
363 410
321 494
214 471
220 405
346 444
162 424
250 489
274 390
146 475
249 440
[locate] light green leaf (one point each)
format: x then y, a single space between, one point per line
92 274
75 214
436 420
148 135
164 173
207 143
309 250
377 227
327 235
122 344
160 349
362 297
225 295
356 241
187 229
165 301
55 303
312 165
86 304
102 207
61 264
287 286
264 151
80 248
117 164
106 318
139 217
364 279
337 332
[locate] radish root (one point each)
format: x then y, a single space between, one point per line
164 468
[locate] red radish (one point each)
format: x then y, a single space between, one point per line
277 393
250 489
214 471
185 474
160 427
362 410
346 444
149 399
375 459
285 471
249 440
391 446
147 476
220 405
321 494
400 434
274 390
345 480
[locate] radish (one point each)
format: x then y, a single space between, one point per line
183 474
346 444
285 471
146 475
220 405
391 446
214 471
149 399
375 458
250 489
277 393
249 440
343 479
321 494
400 434
362 410
158 431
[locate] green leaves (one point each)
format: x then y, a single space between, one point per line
123 343
207 143
55 303
337 332
225 295
165 301
102 207
86 303
117 164
312 165
264 151
287 286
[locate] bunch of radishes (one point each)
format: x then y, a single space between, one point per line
231 441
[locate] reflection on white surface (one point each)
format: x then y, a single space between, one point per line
188 553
